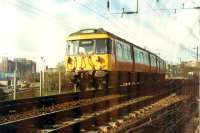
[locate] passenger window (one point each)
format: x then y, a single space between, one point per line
119 51
146 60
141 58
154 61
123 51
126 52
137 55
145 56
129 53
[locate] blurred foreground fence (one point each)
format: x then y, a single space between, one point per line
51 83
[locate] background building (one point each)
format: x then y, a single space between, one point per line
24 67
6 65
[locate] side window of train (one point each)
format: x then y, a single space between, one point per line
146 58
123 51
153 61
137 55
157 64
141 57
160 64
101 46
126 52
110 43
114 47
129 53
118 50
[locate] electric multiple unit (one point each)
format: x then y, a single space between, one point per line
99 53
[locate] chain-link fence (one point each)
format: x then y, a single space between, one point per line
55 83
34 85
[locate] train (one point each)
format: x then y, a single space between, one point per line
96 58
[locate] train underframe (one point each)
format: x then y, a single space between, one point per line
115 81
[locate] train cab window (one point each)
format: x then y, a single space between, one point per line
101 46
72 48
86 47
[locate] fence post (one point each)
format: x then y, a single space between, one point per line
59 82
43 78
14 85
40 83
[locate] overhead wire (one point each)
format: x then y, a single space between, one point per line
120 24
107 19
169 40
68 26
117 19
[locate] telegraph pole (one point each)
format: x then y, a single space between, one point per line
44 69
197 53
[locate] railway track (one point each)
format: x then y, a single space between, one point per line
147 115
114 124
77 112
71 112
21 105
68 125
38 112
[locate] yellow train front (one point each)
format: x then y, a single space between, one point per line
88 58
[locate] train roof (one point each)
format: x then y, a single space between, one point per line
102 31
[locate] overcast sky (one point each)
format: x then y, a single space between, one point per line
36 28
